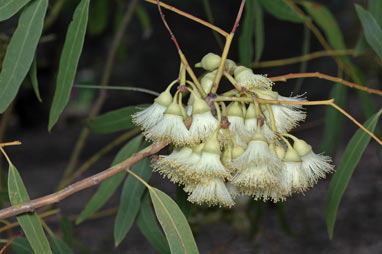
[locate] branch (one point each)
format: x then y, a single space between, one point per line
81 185
327 77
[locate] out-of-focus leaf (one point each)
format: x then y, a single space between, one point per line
22 246
283 218
59 246
303 65
144 20
66 229
98 17
372 30
70 56
333 121
246 36
29 222
21 50
174 224
116 120
259 30
131 200
181 199
366 103
281 10
255 212
210 18
107 188
349 161
33 75
8 8
149 227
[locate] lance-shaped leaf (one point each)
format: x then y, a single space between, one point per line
8 8
21 246
98 17
33 76
116 120
246 36
67 230
149 227
131 200
372 30
29 222
69 60
349 161
108 187
174 224
21 50
59 246
281 10
259 30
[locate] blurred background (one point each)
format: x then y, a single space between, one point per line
147 58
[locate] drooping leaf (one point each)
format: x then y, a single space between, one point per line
246 36
281 10
345 169
259 30
59 246
33 76
21 246
8 8
210 19
144 20
304 64
69 60
131 200
29 222
66 229
149 227
21 50
98 17
107 188
333 121
173 222
116 120
181 200
372 31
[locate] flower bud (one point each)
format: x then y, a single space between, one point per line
234 109
212 145
291 155
164 99
301 147
209 62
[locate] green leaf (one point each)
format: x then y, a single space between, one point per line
375 8
144 20
8 8
33 76
259 30
66 229
149 227
107 188
98 17
21 246
69 60
59 246
281 10
304 64
283 218
349 161
116 120
333 121
246 36
174 224
29 222
181 200
21 50
131 200
372 30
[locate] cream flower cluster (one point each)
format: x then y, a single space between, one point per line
234 146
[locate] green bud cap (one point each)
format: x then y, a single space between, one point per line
251 111
164 99
234 109
268 94
237 151
280 152
291 155
174 109
241 70
212 145
207 81
258 136
301 147
200 106
229 65
209 62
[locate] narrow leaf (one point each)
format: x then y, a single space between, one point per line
259 30
116 120
372 30
98 16
8 8
281 10
29 222
333 121
59 246
375 8
21 246
144 20
349 161
21 50
149 227
107 188
174 224
246 36
33 76
181 200
131 200
69 60
67 230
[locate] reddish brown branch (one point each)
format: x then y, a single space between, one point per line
238 17
167 26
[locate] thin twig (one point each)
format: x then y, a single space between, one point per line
327 77
123 88
167 26
238 17
56 197
307 57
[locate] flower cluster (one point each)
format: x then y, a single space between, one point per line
237 143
